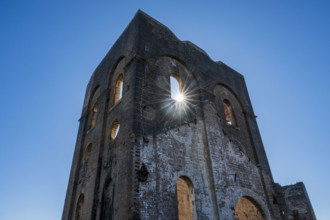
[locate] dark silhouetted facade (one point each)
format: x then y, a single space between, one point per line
142 155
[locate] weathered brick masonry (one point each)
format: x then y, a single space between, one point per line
200 159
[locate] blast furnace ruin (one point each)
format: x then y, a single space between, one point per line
167 133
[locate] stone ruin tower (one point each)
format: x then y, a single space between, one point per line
140 154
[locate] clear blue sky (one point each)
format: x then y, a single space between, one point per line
48 51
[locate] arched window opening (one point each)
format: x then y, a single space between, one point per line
248 209
186 199
229 114
87 153
108 198
79 210
118 89
94 114
176 90
114 128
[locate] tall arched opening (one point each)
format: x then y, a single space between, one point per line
118 90
79 208
248 209
229 113
93 105
186 199
108 199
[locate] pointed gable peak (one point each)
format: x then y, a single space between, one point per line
144 20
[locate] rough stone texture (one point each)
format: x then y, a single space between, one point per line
135 175
294 202
246 210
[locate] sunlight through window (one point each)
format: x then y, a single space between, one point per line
118 93
113 132
175 90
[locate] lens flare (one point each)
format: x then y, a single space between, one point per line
179 97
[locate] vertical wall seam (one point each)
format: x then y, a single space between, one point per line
259 168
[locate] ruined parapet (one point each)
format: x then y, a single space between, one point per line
294 202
